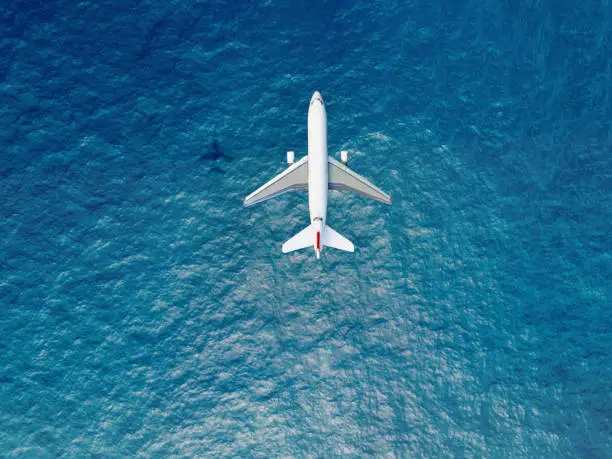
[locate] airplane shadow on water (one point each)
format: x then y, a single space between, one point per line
215 153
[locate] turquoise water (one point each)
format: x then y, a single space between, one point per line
145 312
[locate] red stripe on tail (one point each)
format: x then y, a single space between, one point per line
318 240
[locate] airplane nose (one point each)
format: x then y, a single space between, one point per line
316 96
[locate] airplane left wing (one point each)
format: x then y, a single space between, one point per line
291 179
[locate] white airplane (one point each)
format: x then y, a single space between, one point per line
317 173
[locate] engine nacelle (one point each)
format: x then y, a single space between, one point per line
290 157
344 156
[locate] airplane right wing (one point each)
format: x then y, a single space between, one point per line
291 179
344 179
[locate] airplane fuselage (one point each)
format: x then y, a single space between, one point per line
318 179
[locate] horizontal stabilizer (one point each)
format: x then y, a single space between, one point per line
304 238
333 239
292 179
344 179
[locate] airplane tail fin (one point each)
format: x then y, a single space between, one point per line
311 237
333 239
304 238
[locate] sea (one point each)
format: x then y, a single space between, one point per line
144 312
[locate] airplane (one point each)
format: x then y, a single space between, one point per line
317 172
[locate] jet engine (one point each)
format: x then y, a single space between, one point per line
344 157
290 157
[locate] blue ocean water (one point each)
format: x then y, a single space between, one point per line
144 312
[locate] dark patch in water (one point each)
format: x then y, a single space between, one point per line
215 153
